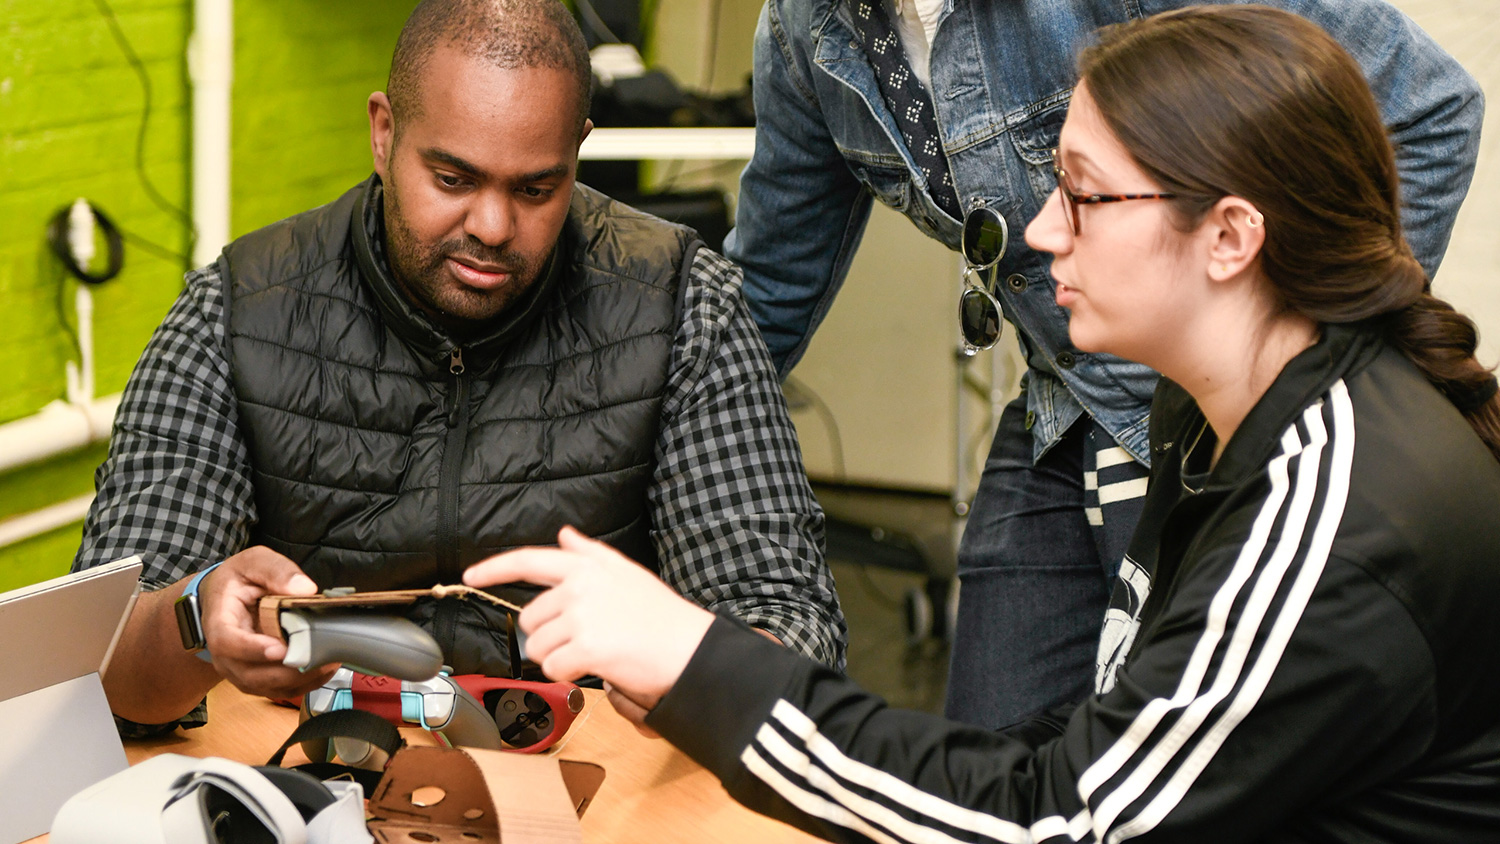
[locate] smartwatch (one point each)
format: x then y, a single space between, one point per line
190 617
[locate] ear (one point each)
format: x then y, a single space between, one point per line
1237 231
588 126
382 133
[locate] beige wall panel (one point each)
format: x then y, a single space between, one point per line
884 365
1470 275
706 44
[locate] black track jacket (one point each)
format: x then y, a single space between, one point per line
1303 647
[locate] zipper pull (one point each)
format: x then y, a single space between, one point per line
455 366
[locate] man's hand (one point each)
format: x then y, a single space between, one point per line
604 615
243 655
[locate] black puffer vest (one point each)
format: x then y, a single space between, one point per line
387 456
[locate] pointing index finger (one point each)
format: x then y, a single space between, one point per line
541 566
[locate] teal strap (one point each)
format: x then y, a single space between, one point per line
192 589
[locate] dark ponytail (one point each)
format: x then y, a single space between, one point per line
1255 102
1441 342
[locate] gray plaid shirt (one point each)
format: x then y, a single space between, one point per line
735 525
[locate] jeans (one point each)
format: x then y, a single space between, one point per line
1035 567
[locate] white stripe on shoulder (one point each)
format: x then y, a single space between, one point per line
1270 574
1335 495
1151 715
894 789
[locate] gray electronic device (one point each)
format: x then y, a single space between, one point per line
372 644
57 736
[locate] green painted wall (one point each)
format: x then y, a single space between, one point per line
303 71
70 108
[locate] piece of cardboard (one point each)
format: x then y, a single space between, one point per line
472 795
272 605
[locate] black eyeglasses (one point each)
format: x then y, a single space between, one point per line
1071 199
984 240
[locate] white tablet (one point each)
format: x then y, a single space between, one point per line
57 736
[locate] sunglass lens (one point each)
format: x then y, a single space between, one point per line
985 236
978 318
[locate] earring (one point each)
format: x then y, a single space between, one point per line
1255 221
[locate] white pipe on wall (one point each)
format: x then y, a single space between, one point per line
56 429
38 522
211 66
80 378
61 427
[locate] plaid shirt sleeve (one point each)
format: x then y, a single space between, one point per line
735 523
175 488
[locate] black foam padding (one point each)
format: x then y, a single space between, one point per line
304 790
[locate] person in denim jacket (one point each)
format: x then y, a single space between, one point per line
1061 490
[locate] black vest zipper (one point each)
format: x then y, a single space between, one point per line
449 569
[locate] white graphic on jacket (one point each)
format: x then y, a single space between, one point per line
1121 621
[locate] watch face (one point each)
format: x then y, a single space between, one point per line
189 624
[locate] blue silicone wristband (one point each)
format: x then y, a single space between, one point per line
192 589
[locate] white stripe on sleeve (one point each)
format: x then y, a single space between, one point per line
1268 581
806 801
895 790
1335 496
863 807
1153 712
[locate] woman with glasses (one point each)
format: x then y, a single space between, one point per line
1302 647
945 111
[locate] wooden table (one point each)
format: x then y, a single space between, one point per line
652 794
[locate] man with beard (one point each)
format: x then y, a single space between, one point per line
462 354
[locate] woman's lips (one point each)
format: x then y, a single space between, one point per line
483 279
1065 295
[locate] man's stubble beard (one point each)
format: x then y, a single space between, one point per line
421 272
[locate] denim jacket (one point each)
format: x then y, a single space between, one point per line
1002 72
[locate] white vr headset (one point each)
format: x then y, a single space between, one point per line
183 800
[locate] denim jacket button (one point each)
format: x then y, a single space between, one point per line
1016 282
1030 419
1066 360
